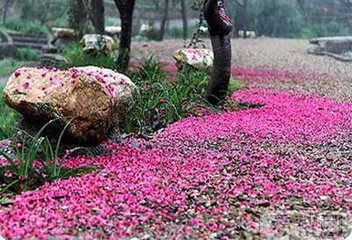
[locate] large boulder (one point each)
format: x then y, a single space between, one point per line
201 59
92 98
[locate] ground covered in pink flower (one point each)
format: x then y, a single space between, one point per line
281 169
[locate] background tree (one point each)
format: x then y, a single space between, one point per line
5 5
184 18
125 8
78 16
164 20
97 15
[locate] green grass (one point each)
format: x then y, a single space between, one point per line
28 54
9 65
8 118
77 58
24 26
164 100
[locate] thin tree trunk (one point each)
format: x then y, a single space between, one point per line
97 15
245 19
184 19
164 20
125 8
5 10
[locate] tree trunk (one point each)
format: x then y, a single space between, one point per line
5 10
184 19
275 12
164 20
97 16
125 8
78 16
245 19
220 28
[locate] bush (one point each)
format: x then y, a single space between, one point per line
77 58
175 32
26 26
330 29
28 54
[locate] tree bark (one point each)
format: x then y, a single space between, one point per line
164 20
97 16
5 10
125 8
245 18
220 28
184 19
78 16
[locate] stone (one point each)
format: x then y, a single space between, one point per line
146 30
249 34
339 48
113 30
64 33
53 60
96 43
8 51
92 99
201 59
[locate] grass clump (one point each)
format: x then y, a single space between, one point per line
77 58
163 100
8 118
28 54
25 26
9 65
36 161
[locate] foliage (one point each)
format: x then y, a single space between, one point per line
197 6
28 54
26 26
293 19
8 119
36 162
77 58
163 100
8 66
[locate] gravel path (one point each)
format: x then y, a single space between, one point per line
279 54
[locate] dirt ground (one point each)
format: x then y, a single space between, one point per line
273 54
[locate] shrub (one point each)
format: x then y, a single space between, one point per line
175 33
28 54
25 26
77 58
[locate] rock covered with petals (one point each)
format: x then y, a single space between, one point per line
95 98
201 59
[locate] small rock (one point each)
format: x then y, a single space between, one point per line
201 59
